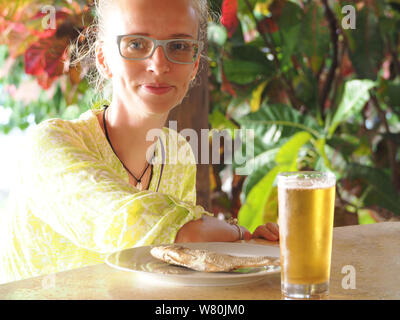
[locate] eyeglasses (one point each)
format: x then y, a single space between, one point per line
135 47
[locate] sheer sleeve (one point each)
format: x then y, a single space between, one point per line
82 198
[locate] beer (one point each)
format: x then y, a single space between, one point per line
306 208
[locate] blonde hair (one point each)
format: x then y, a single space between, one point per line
83 50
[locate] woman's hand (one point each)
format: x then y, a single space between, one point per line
268 231
208 229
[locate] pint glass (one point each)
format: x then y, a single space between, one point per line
306 202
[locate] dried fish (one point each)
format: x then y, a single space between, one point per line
208 261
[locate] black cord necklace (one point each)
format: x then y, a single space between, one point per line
109 141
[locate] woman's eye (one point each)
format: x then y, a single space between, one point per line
138 44
180 46
135 44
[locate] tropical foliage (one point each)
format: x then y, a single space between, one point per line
36 79
318 82
318 94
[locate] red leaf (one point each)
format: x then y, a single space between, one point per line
226 85
45 81
346 67
34 59
60 17
45 59
267 25
16 37
229 17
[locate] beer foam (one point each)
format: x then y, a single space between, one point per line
306 184
299 181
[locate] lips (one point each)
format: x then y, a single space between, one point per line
157 88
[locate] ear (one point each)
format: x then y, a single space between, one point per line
101 63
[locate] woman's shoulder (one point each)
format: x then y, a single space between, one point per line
56 132
84 118
55 126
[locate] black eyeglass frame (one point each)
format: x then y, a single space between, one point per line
160 43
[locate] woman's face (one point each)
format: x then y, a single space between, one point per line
155 84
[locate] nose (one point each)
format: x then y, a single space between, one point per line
158 62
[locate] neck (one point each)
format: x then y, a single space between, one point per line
128 127
132 121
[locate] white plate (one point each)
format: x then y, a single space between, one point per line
140 261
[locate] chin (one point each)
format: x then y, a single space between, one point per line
165 103
158 107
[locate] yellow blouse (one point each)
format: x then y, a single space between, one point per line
72 203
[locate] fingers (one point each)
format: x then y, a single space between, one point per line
246 233
268 231
273 227
264 232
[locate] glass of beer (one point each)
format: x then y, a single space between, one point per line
306 201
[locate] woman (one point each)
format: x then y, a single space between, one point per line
87 187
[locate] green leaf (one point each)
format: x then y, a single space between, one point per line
346 143
271 207
306 89
364 217
382 192
219 121
291 16
314 39
244 72
290 24
275 121
251 213
367 50
354 98
252 53
273 126
392 93
320 147
288 152
242 5
261 167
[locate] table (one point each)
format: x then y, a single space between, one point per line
371 251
